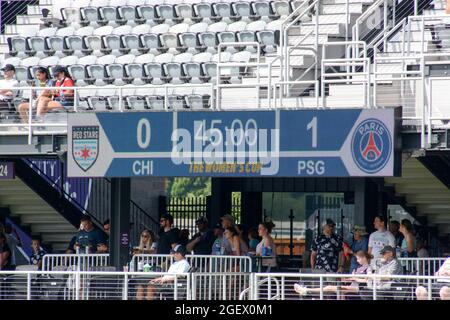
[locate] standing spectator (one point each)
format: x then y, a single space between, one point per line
253 239
264 231
394 228
227 221
88 237
42 80
408 246
5 254
203 240
238 246
327 249
243 233
441 285
6 94
379 239
218 247
168 236
147 243
184 237
13 239
102 247
422 251
360 243
38 253
107 226
61 98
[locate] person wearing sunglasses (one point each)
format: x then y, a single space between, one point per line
147 243
326 252
168 236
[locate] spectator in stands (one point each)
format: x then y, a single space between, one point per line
243 233
43 80
147 243
179 266
253 239
38 254
422 251
326 252
355 283
360 243
379 239
447 8
238 246
441 285
102 247
409 245
6 94
88 237
13 239
61 98
5 253
388 265
227 221
394 228
218 247
203 240
107 226
168 236
267 247
184 237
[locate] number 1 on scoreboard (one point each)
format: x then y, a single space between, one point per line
313 125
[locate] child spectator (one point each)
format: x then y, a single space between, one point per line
38 253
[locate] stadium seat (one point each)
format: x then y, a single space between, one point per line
247 36
86 60
263 10
169 43
125 59
109 16
256 25
136 103
174 73
152 43
202 57
186 12
96 74
210 71
155 73
90 16
68 60
56 46
208 40
115 74
281 8
204 12
95 45
105 60
147 14
167 12
144 58
30 61
193 73
37 47
128 15
98 103
228 36
49 61
155 99
189 42
18 47
268 41
244 11
135 74
112 45
78 74
76 46
237 26
225 11
132 44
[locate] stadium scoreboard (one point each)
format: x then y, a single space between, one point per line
284 143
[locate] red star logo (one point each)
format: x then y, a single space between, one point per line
85 153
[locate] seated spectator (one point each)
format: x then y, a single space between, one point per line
238 246
59 99
38 253
422 251
88 237
267 247
5 254
441 285
42 80
147 243
389 266
355 283
203 240
184 237
253 239
360 243
6 94
158 285
102 247
218 247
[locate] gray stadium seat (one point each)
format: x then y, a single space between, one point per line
267 39
37 47
22 75
199 99
109 16
152 43
263 10
167 12
147 14
210 71
248 36
97 103
136 103
155 73
78 74
228 36
95 45
18 47
225 11
281 8
169 43
135 74
96 74
132 44
209 41
189 42
76 46
128 15
185 12
174 72
193 73
113 45
244 11
204 12
56 46
89 16
115 74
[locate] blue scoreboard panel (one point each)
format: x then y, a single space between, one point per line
284 143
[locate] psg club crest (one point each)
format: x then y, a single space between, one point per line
85 145
371 146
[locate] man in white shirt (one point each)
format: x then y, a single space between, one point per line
379 239
179 266
6 94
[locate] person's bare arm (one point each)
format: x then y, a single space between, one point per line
190 246
313 259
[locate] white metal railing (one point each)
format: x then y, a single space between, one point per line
80 262
338 286
82 285
200 263
219 285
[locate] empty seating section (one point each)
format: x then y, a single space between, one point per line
150 43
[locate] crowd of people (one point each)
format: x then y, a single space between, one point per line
43 100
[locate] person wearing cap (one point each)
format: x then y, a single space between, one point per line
360 243
203 240
43 80
388 265
168 236
326 252
61 98
218 247
6 93
379 239
181 265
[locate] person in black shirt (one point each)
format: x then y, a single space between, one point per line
202 241
89 237
327 250
168 236
5 254
38 253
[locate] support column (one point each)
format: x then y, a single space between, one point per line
220 200
369 202
251 208
120 222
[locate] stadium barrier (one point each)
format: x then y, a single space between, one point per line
75 262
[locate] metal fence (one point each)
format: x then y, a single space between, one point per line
77 262
186 210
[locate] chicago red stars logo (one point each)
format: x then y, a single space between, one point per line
371 146
85 145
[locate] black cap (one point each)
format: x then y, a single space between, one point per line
9 67
387 249
57 70
330 222
179 249
201 220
